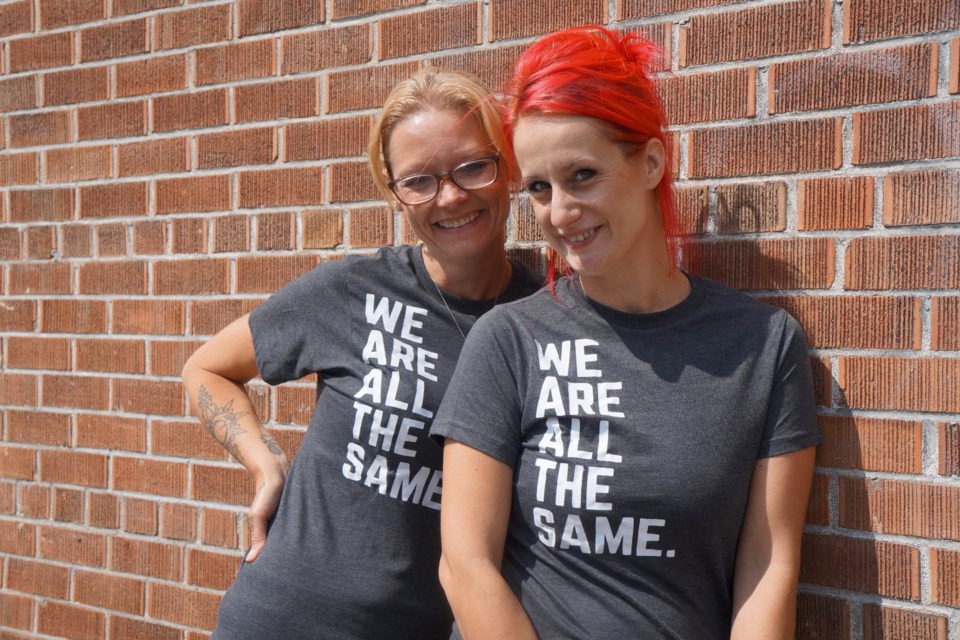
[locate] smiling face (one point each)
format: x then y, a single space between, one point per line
594 198
457 224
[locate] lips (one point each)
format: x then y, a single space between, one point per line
456 223
580 236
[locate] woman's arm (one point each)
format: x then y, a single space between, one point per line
475 511
768 556
214 378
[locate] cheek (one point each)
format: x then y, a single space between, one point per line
541 211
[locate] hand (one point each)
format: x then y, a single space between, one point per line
262 508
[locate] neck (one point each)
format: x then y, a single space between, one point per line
471 279
653 289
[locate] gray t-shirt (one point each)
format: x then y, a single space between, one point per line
632 439
354 546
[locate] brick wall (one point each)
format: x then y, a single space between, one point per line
166 164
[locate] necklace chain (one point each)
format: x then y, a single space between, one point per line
503 271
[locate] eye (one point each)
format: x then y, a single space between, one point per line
582 175
416 183
537 187
473 168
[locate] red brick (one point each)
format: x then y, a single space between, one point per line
9 250
921 197
759 32
109 431
73 316
152 75
34 503
178 521
854 79
39 427
945 576
835 203
327 48
73 467
627 9
857 322
945 324
18 538
18 93
16 611
73 546
185 440
949 448
103 511
901 384
17 463
113 120
41 52
779 147
822 618
230 485
868 20
78 392
871 444
157 317
41 242
708 97
242 61
68 505
916 509
50 278
191 110
16 17
189 235
110 592
364 88
352 8
751 207
190 195
111 240
62 13
38 129
881 623
38 353
88 84
167 155
281 187
124 628
526 228
919 132
350 181
328 138
29 205
430 30
274 100
867 566
79 163
799 263
211 570
39 578
127 7
295 404
955 65
903 262
267 16
144 558
265 274
19 168
114 277
191 277
150 238
140 516
191 27
157 397
209 317
818 507
114 40
183 606
120 356
69 621
167 357
517 18
237 148
276 231
231 233
371 227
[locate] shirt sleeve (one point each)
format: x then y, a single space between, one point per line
482 407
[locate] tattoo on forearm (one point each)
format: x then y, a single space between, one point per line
272 445
226 418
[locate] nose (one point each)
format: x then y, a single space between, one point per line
449 192
564 209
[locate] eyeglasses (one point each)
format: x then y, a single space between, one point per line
424 187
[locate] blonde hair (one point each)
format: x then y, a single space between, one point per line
432 88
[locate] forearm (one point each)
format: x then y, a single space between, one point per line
767 611
482 603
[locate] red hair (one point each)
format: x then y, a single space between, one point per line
595 72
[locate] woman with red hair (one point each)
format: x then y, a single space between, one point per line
629 453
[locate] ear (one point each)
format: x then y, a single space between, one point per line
654 159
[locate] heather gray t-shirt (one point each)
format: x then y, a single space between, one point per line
354 547
632 439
